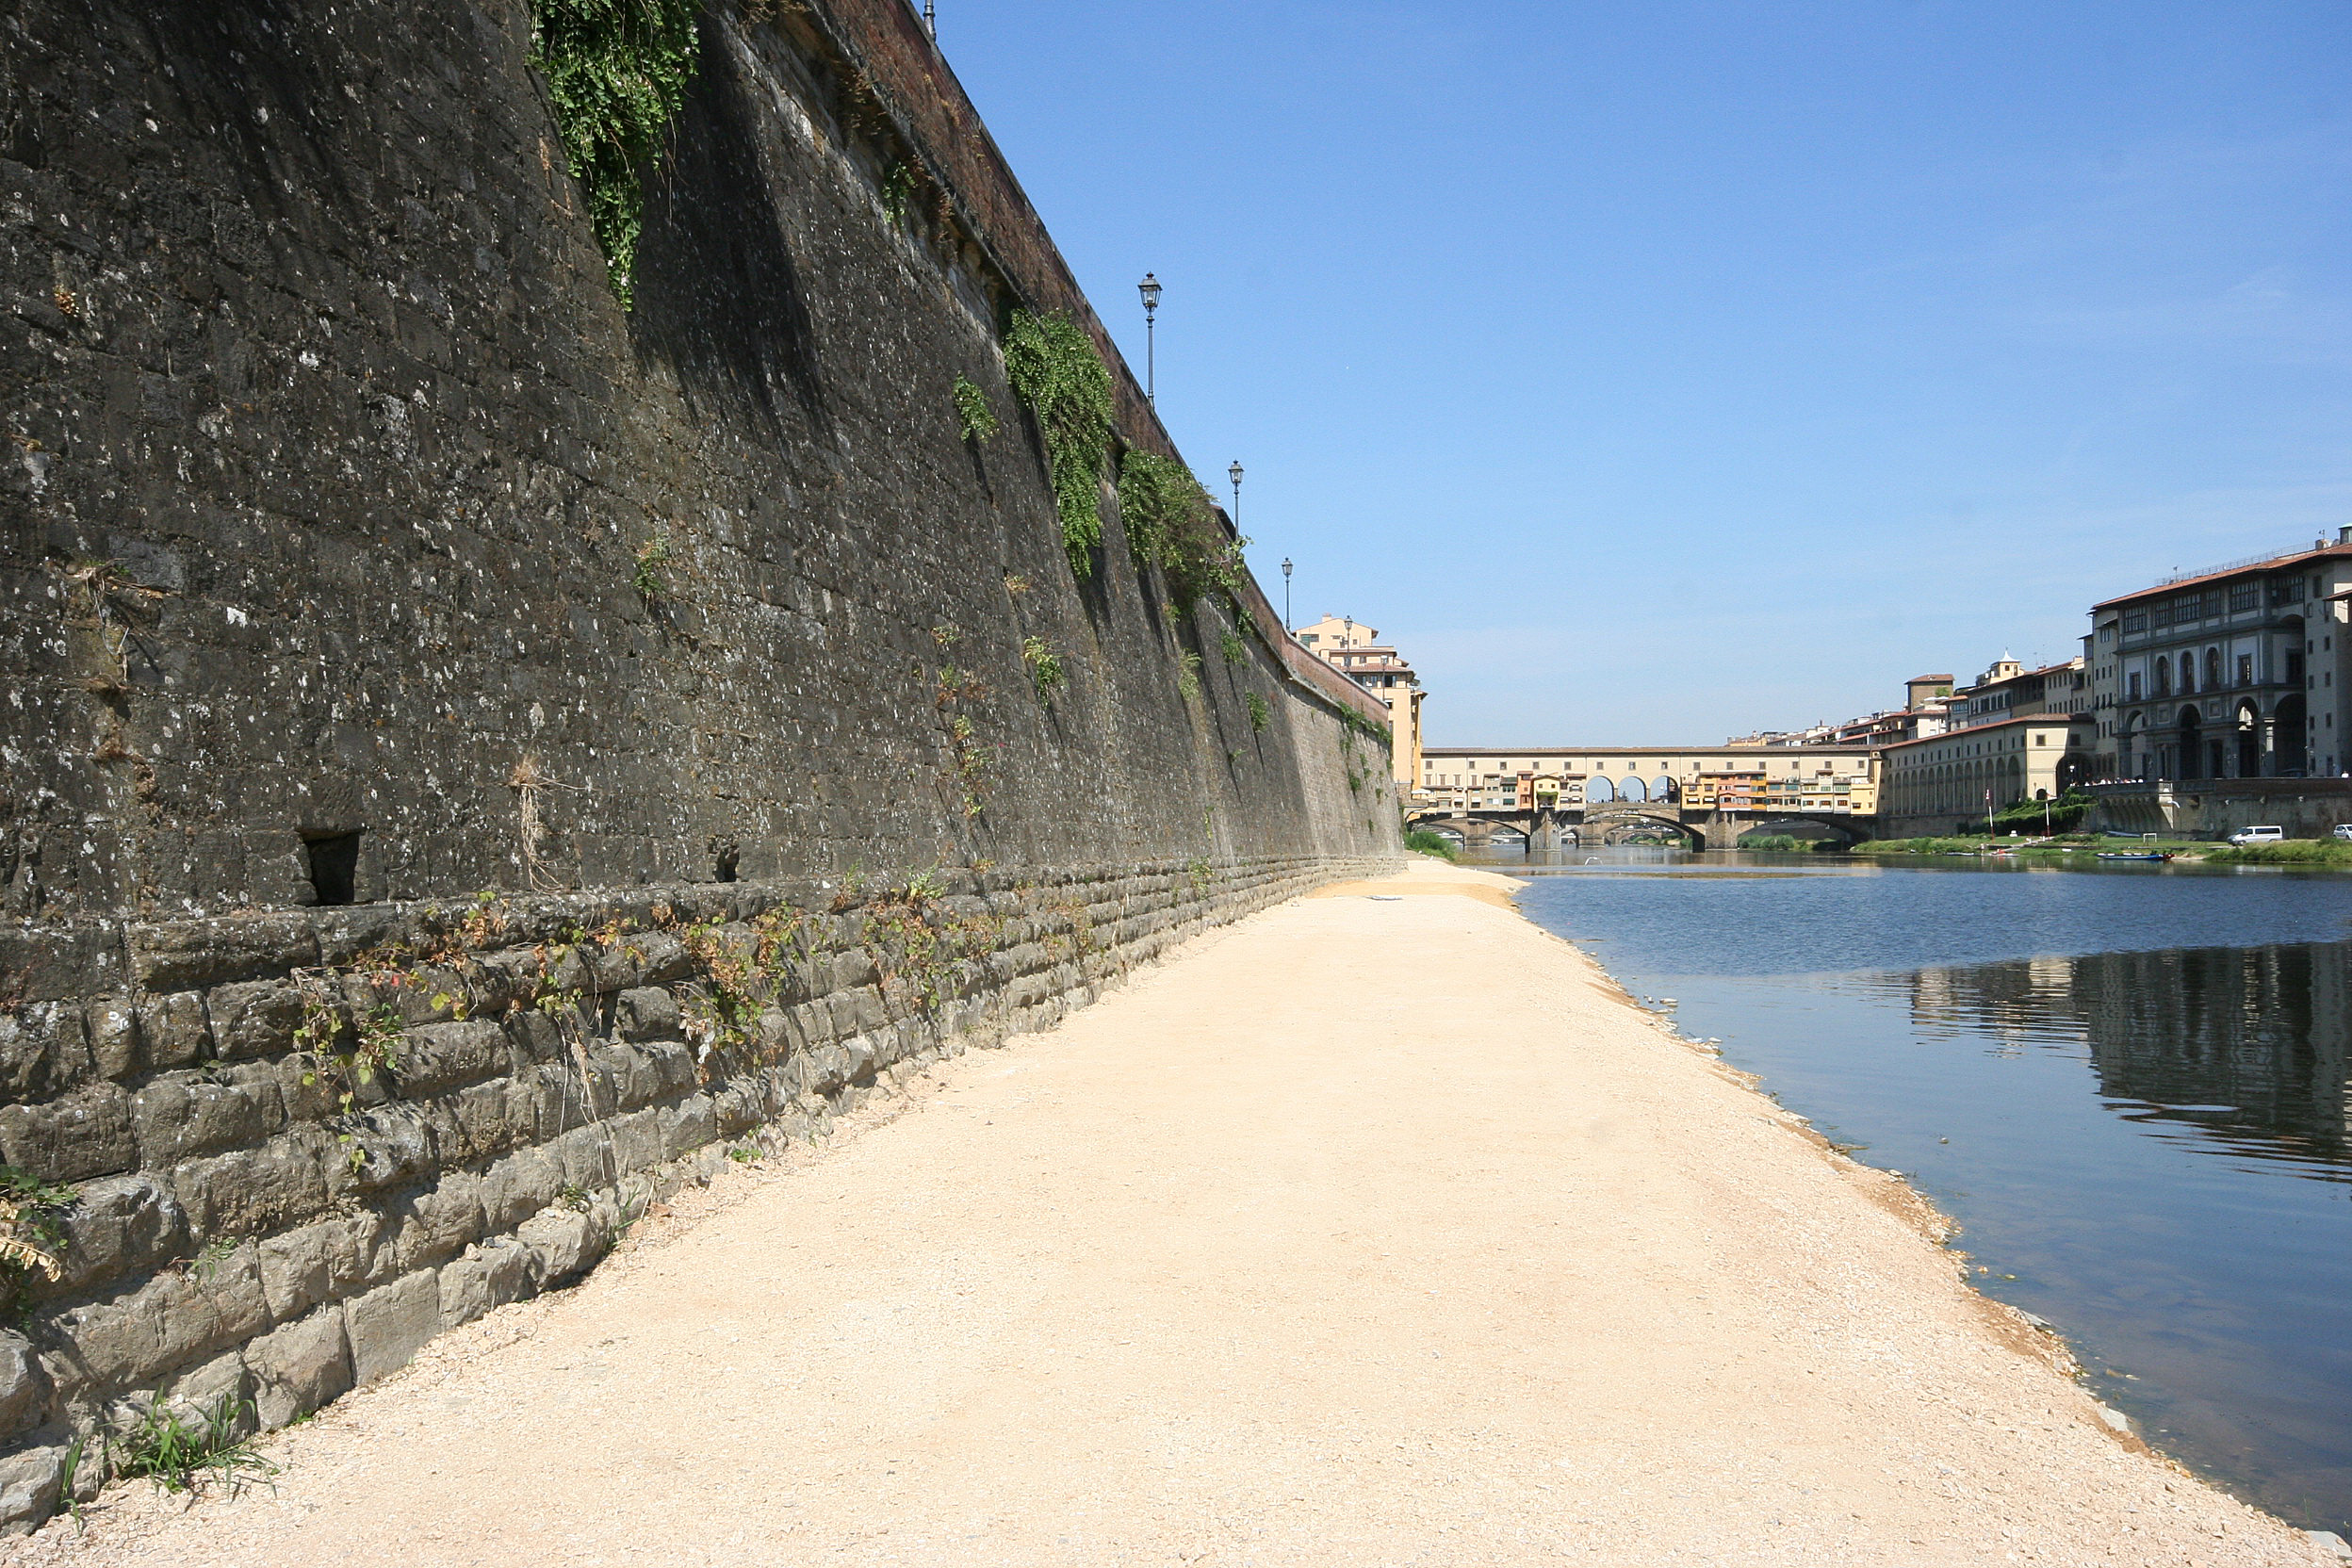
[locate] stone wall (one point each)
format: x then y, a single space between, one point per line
381 604
263 1217
331 456
2216 807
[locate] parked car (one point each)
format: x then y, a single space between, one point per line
2257 835
2343 830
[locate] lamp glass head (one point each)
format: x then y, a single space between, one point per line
1149 290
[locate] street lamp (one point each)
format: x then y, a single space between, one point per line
1149 290
930 22
1233 473
1285 593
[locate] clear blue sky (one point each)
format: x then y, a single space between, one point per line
1654 371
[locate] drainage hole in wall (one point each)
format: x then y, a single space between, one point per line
333 867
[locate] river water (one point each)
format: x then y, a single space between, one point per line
2130 1087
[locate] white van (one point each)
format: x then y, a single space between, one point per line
2258 836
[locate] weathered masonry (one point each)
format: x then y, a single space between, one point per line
476 753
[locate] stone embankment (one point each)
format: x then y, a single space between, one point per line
1379 1228
299 1144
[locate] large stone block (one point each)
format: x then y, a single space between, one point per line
646 1013
636 1139
561 1242
28 1487
220 1386
496 1273
256 1018
114 1035
24 1388
175 1029
181 955
435 1057
300 1367
440 1221
388 1325
177 1317
256 1191
186 1114
517 1187
87 1132
45 1050
324 1262
119 1225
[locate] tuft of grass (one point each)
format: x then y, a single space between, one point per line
1189 675
179 1455
1234 646
1045 667
652 579
1261 717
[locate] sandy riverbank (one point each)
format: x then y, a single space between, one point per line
1374 1230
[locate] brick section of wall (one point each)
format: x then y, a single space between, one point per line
239 1232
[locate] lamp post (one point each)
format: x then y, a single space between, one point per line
1233 473
1149 290
1285 592
930 22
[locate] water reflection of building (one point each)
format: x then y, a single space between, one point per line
2264 1031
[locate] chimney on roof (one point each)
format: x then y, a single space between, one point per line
2344 535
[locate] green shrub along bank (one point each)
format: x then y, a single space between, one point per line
1427 842
2294 852
2063 815
2084 847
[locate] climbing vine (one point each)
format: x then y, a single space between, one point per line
616 74
1054 368
1157 496
1171 524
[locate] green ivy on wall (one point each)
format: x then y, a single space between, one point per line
1054 368
1171 524
616 74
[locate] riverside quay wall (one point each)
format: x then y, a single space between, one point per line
476 753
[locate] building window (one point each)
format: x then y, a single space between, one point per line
2131 687
2246 669
2246 597
2135 621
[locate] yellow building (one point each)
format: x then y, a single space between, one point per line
1357 650
1950 782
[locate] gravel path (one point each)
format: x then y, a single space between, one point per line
1371 1230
